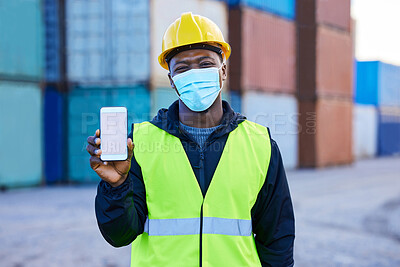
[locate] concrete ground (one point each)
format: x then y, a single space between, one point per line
345 216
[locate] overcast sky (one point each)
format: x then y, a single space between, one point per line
377 30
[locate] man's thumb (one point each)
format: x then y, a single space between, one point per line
130 148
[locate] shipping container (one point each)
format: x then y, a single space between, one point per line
263 52
326 135
236 101
335 13
108 41
334 63
165 12
365 131
54 134
21 130
162 97
84 105
331 13
279 113
284 8
389 131
325 63
21 40
378 84
52 40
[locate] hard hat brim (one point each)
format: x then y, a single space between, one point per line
225 47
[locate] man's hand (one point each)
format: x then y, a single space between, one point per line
113 172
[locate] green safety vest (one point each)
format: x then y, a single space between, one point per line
180 220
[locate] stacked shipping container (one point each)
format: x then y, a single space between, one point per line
161 16
263 68
378 91
21 70
324 75
108 64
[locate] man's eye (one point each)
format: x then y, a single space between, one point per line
206 63
180 68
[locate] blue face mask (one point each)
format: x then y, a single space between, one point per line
198 88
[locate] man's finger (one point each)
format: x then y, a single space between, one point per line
131 146
96 162
97 134
93 151
94 141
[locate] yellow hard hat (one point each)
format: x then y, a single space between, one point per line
192 31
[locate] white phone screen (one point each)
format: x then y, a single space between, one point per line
113 133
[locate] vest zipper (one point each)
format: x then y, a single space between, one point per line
201 166
201 233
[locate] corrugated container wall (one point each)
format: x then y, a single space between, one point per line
334 63
365 131
263 52
284 8
165 12
20 134
335 13
83 119
108 41
54 134
389 131
21 45
162 97
52 40
378 84
279 114
326 135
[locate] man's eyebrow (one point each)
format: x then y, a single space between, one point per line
205 57
181 62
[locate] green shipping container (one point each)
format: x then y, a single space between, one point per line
21 40
84 118
20 134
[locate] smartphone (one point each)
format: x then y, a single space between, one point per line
113 133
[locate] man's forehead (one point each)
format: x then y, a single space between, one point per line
194 54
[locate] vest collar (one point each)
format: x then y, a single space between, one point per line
168 120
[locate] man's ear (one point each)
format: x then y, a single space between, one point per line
224 71
171 82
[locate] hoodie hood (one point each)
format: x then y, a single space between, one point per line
168 120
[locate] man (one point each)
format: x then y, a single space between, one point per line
203 185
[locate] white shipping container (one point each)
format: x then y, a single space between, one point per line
279 113
108 41
365 131
165 12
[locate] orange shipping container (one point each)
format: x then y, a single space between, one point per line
335 13
334 63
325 63
263 51
326 135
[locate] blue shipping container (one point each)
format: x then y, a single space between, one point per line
236 101
54 135
162 97
389 133
283 8
21 137
377 84
108 41
21 40
52 41
84 118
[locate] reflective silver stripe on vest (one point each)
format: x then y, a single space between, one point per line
191 226
187 226
222 226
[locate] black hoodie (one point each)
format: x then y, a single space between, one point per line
121 211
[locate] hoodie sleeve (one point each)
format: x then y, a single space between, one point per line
121 211
273 217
